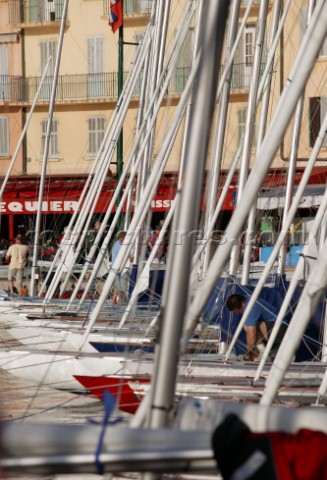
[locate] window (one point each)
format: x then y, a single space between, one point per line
47 48
4 137
138 38
53 144
45 10
183 65
249 42
241 118
137 6
318 110
95 67
241 122
249 35
323 51
3 59
242 68
4 90
96 134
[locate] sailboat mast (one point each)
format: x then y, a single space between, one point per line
220 136
292 163
177 291
120 89
250 230
250 120
46 148
298 77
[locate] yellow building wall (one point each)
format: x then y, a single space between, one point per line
10 37
86 18
316 86
73 127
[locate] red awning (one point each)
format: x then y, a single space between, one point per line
62 195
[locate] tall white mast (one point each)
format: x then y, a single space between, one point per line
249 236
220 135
176 284
301 70
249 126
46 148
292 162
141 210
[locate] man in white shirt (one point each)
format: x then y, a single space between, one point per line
120 286
17 255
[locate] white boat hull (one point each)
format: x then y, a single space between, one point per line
56 370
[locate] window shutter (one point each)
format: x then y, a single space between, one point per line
323 51
128 7
314 115
249 42
54 138
96 134
99 54
53 144
33 11
95 55
241 117
239 54
3 59
4 137
59 7
238 66
47 48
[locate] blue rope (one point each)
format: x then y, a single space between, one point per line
109 405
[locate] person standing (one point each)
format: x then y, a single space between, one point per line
162 247
119 284
17 256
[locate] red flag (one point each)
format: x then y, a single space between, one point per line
116 14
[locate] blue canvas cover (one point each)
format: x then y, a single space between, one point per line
217 313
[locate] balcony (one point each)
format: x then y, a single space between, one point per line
97 86
131 7
35 11
241 76
9 88
70 88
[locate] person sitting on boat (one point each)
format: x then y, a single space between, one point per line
259 323
17 256
120 286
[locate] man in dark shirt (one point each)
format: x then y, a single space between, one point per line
259 323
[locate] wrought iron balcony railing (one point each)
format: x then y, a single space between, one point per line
35 11
69 87
131 7
97 86
9 88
